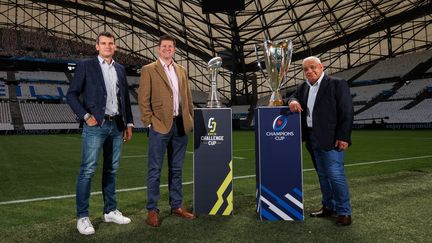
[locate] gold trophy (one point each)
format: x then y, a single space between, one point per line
213 67
277 59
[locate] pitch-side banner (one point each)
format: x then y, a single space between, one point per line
213 191
279 176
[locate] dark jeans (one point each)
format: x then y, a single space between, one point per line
329 165
175 143
108 137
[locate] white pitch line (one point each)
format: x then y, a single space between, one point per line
191 182
145 156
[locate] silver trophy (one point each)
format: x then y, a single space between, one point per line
277 58
213 66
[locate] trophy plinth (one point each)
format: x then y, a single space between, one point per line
213 67
277 58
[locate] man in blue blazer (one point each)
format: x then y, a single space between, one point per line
326 127
106 116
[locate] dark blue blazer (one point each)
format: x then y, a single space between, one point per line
88 83
332 114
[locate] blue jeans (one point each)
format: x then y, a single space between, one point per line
110 138
329 165
175 143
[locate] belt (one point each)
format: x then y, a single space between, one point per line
111 118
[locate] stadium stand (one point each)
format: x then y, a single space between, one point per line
47 113
240 111
199 97
368 92
4 90
41 76
133 80
421 113
5 117
3 75
36 90
395 67
350 73
411 89
137 118
357 107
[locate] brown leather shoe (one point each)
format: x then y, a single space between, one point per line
182 212
323 212
343 220
153 218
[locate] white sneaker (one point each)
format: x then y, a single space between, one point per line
115 217
84 226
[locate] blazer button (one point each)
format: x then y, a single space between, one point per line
103 108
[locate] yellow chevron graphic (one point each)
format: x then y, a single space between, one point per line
229 208
220 191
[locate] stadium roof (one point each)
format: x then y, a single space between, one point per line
342 33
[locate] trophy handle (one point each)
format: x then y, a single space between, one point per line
258 61
289 56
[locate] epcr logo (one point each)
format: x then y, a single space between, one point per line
212 124
279 123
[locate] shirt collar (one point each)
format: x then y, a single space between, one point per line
317 82
166 65
102 61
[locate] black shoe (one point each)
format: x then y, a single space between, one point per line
343 220
323 212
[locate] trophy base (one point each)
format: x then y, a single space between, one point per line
214 104
275 103
276 99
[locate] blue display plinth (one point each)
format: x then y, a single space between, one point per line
279 178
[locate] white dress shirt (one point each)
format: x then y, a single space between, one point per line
313 91
110 78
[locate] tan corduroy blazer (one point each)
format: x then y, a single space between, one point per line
155 98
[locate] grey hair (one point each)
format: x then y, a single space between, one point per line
314 58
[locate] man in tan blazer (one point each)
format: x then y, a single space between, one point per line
166 108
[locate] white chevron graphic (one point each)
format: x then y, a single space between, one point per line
275 209
293 200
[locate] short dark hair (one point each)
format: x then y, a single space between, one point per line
167 37
106 34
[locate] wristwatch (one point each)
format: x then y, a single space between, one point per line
87 116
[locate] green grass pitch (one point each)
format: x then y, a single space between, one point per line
389 172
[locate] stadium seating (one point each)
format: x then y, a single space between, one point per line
137 117
133 80
349 73
41 76
46 113
5 117
366 93
396 67
4 90
411 89
35 90
240 111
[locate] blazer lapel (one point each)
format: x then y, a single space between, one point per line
305 92
119 77
162 74
99 74
180 79
322 89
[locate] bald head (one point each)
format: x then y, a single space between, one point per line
312 68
